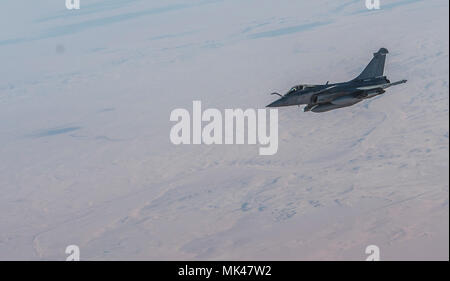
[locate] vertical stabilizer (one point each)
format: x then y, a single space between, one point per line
375 68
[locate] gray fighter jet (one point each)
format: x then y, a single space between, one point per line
322 98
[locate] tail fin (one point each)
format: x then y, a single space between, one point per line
375 67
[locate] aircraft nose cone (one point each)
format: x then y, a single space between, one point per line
277 103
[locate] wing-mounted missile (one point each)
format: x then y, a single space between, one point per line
382 86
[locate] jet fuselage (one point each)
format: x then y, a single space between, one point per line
321 98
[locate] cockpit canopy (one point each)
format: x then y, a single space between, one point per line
299 88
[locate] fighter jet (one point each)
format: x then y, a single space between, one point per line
322 98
